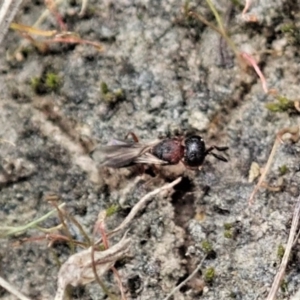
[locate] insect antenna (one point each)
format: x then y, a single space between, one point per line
220 157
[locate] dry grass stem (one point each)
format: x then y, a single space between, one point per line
78 269
248 17
10 230
247 6
140 205
7 12
83 8
178 287
51 5
284 262
294 136
7 286
296 296
100 227
247 57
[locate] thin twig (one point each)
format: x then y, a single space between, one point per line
294 131
99 226
285 259
140 205
221 27
7 12
247 17
10 230
7 286
296 296
178 287
255 66
83 8
61 216
265 171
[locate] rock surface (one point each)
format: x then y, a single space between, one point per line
165 72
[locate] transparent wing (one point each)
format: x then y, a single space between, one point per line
122 153
148 158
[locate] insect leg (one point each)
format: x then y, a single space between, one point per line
133 135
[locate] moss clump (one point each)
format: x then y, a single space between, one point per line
283 170
36 84
207 247
280 251
283 104
228 226
228 234
104 88
209 275
291 31
52 81
112 210
228 230
111 97
284 286
48 82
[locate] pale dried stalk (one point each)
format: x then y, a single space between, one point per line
7 286
140 205
285 259
247 17
296 296
294 132
255 66
7 12
178 287
11 230
83 8
78 269
247 6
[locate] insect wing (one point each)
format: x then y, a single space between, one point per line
148 158
118 154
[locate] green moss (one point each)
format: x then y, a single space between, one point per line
228 226
237 3
101 247
287 28
283 170
228 230
291 31
109 96
280 251
283 104
186 8
209 275
228 234
112 210
284 286
52 81
206 246
104 88
36 84
48 82
90 11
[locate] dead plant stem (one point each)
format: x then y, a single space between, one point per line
284 262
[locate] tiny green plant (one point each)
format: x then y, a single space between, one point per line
109 96
283 170
280 251
281 105
209 275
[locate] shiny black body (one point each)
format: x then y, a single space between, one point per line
194 151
